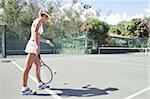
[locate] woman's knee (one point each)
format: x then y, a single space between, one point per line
28 68
30 59
37 62
29 62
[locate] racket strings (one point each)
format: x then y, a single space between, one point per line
46 74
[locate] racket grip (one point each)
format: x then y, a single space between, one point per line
39 56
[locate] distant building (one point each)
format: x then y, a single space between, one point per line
117 35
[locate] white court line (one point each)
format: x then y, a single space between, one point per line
116 62
53 94
138 93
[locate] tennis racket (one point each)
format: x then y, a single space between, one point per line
46 72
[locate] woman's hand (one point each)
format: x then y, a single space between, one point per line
46 41
49 43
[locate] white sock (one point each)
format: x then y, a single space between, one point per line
40 83
24 88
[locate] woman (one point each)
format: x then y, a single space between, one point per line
33 49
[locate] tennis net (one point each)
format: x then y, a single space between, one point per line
114 50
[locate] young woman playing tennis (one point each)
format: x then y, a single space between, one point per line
33 49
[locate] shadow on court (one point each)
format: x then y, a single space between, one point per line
39 94
84 92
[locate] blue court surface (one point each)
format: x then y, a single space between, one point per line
104 76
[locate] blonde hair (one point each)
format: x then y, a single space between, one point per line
41 13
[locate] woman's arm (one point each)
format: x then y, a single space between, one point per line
37 35
43 40
46 41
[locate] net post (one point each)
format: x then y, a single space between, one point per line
145 51
99 50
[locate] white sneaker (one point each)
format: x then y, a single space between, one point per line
42 86
28 91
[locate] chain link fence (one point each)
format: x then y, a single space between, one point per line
128 42
75 44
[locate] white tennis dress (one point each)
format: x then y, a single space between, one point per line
31 45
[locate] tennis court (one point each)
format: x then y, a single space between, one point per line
103 76
97 49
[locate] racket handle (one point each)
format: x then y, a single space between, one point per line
39 56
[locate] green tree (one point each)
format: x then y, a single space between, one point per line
115 29
66 24
137 28
2 3
96 31
143 29
131 28
18 16
12 13
118 29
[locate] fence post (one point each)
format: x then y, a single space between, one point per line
4 41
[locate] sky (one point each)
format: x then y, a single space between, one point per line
131 7
115 11
119 10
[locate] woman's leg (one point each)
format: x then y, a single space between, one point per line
37 63
41 85
29 61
